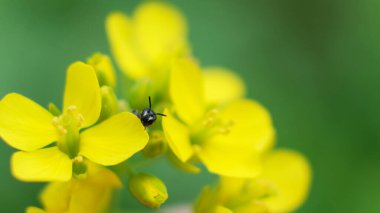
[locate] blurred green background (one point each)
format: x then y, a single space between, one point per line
314 63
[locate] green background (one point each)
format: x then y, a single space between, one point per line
315 64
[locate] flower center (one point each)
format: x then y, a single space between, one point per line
79 167
68 125
213 124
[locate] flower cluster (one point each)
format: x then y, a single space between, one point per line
87 149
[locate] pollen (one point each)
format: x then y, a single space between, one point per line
78 159
62 129
71 108
55 120
80 120
226 128
208 122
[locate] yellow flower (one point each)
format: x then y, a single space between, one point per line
282 187
228 138
145 44
29 127
90 194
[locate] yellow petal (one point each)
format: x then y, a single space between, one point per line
186 90
251 125
253 207
48 164
178 136
230 188
222 86
93 194
230 158
248 133
24 124
90 198
82 90
290 174
99 175
32 209
55 197
160 32
88 194
206 201
120 35
114 140
104 69
222 209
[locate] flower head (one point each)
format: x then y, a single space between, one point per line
145 44
90 193
281 187
228 136
30 128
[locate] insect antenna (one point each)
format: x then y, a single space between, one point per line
160 114
150 103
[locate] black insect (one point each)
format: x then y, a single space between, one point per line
147 116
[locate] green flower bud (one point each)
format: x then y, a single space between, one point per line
139 92
156 145
148 189
53 109
110 104
104 69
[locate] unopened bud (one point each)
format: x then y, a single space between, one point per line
148 189
139 93
104 69
53 109
110 104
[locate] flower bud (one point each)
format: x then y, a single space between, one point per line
53 109
110 104
156 145
148 189
104 69
139 93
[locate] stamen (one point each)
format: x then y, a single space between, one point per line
62 129
224 130
71 108
80 120
211 118
208 122
55 120
78 159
